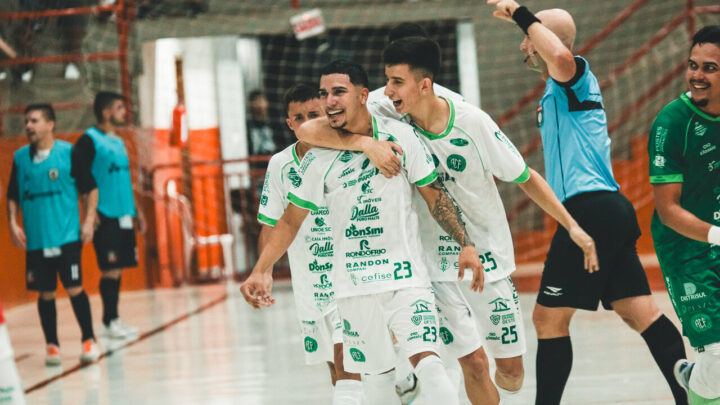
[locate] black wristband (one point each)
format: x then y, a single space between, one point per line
524 18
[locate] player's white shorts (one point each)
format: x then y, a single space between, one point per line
11 391
705 376
501 322
458 324
319 336
368 319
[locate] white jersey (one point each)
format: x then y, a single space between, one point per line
374 223
311 252
468 153
379 104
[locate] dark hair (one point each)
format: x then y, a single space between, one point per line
299 93
406 29
104 100
255 94
46 110
707 35
419 53
358 76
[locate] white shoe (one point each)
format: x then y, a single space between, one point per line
131 330
407 389
52 355
118 330
682 371
90 352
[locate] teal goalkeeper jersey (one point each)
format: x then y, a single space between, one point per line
683 148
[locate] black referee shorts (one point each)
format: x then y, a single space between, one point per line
115 245
609 218
43 266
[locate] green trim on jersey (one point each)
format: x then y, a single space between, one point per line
482 162
282 170
427 179
684 97
375 128
522 178
332 164
302 203
666 178
294 154
451 123
266 220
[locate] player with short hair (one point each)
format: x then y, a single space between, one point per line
44 187
380 280
103 157
576 148
684 156
310 261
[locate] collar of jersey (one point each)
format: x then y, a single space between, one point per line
375 128
447 130
294 154
684 97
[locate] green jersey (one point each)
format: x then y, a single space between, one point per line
683 148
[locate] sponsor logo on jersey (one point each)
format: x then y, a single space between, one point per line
449 250
366 189
316 267
366 250
311 344
347 171
660 137
700 129
659 161
368 213
263 200
357 355
701 322
365 164
309 157
421 306
501 304
502 138
325 250
508 318
456 162
371 278
492 336
707 148
539 118
295 179
354 232
362 265
691 293
114 167
459 142
319 221
27 195
553 291
495 319
324 283
347 329
345 157
53 174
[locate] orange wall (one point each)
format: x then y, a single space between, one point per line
12 259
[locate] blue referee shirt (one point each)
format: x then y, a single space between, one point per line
574 133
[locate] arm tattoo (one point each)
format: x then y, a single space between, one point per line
447 214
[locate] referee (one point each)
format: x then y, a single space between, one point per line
101 155
43 188
573 125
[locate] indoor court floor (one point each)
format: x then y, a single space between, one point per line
205 345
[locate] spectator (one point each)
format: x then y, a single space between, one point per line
260 133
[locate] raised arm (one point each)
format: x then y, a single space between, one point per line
680 220
447 215
557 56
382 154
257 288
540 192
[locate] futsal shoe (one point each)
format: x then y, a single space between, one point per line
407 389
682 371
52 355
90 352
118 330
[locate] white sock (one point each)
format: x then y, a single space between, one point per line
380 389
506 396
435 385
348 392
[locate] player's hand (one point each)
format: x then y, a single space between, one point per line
587 244
87 231
504 9
17 234
469 259
257 289
384 155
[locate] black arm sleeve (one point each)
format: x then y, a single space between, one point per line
83 154
13 192
579 71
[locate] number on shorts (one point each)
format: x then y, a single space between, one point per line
402 267
428 331
507 332
487 258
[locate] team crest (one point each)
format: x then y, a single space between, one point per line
30 277
700 129
539 116
416 319
294 178
495 319
365 164
346 156
112 257
53 174
456 162
319 221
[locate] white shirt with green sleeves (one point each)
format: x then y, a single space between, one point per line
374 222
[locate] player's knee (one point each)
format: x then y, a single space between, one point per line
510 373
47 295
475 365
549 324
113 274
74 291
